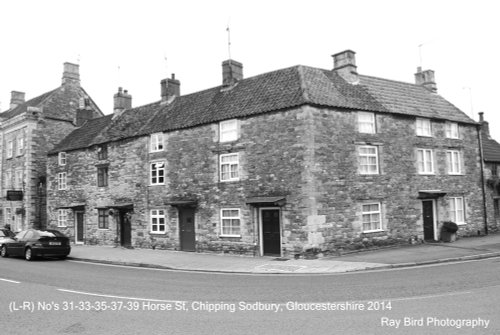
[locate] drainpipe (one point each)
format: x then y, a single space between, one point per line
479 137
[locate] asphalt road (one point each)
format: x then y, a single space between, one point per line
66 297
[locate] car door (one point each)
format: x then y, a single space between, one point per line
16 248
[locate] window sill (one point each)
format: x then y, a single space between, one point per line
157 184
158 232
233 236
426 173
229 180
461 223
373 231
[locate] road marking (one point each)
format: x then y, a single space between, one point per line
10 281
116 296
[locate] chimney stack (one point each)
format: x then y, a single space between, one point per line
485 126
122 100
71 74
16 99
344 63
426 79
232 72
170 88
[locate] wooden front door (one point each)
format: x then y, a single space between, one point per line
271 232
79 227
187 229
125 229
428 218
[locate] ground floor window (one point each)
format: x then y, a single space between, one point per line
230 222
158 221
371 216
456 210
103 218
62 217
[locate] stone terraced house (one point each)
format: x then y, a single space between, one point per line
28 130
285 163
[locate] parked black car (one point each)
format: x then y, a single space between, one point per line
34 243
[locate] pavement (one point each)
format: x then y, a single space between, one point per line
466 248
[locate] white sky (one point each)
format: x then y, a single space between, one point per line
459 42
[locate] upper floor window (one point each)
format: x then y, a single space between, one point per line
103 218
19 179
228 130
156 142
62 158
451 129
102 152
456 210
494 169
371 217
158 225
453 162
229 166
20 146
10 149
62 218
368 159
366 122
157 173
424 127
8 179
102 176
230 222
425 161
61 181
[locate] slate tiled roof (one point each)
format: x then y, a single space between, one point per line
491 150
22 108
272 91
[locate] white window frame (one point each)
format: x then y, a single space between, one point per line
457 210
366 122
20 146
370 213
157 219
62 218
8 179
423 127
156 142
423 164
10 149
233 174
364 165
62 182
157 172
454 161
62 158
452 130
228 130
228 221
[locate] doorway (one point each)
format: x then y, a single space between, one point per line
187 228
270 227
79 226
125 229
429 220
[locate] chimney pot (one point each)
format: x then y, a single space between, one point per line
16 99
71 74
232 72
122 100
170 88
344 63
485 126
426 79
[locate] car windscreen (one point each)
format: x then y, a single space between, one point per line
6 233
50 233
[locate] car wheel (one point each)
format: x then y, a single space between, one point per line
3 251
28 254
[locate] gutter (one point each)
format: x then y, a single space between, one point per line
485 215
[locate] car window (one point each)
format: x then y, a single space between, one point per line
50 233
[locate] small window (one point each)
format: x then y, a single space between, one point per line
453 162
424 127
62 158
158 221
228 131
103 218
230 222
102 176
61 181
456 210
10 149
19 180
62 218
368 159
8 215
156 142
157 173
371 217
102 152
494 169
229 166
20 146
8 179
425 161
366 122
451 129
